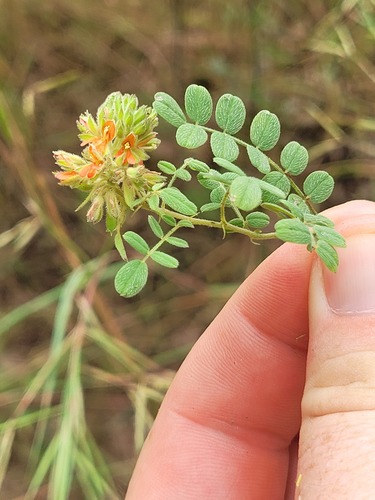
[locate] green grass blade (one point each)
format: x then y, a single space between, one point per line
29 418
42 469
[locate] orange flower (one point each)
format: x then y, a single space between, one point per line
64 176
100 142
127 144
88 171
91 169
109 130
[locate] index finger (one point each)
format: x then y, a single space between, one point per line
225 426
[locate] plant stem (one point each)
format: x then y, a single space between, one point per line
253 235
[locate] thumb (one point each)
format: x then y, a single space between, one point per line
337 439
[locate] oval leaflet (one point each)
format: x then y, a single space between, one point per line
131 278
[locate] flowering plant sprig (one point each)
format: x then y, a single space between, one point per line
111 171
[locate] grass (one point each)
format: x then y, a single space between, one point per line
83 371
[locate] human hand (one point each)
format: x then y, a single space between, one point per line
228 427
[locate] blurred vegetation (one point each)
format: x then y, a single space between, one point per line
82 370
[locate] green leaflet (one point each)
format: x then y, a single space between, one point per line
257 219
178 201
230 113
273 190
258 159
168 219
236 222
177 242
300 203
183 174
131 278
218 194
166 167
186 223
328 254
197 165
293 230
278 180
155 226
224 146
265 130
167 108
294 208
207 180
318 186
198 104
329 235
231 167
136 241
164 259
210 207
153 201
119 244
191 136
245 193
294 158
319 219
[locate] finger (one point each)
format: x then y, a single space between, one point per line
225 426
234 406
337 439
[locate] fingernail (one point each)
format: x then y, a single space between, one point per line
351 290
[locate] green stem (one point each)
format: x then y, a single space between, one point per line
162 240
296 189
253 235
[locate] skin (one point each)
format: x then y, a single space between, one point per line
277 398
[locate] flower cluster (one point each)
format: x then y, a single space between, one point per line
111 166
